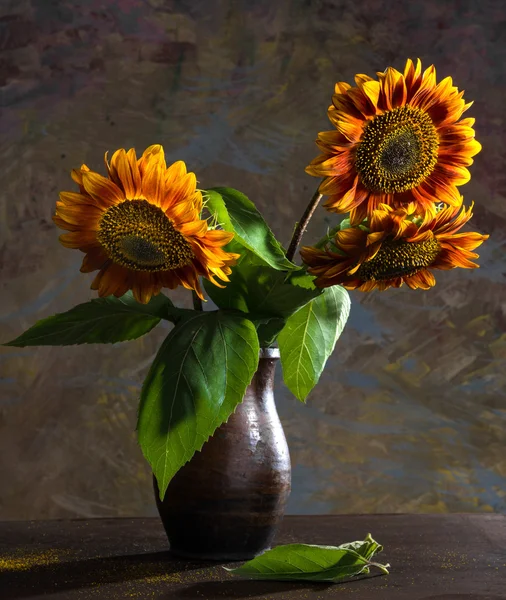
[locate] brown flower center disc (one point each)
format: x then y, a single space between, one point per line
397 258
398 150
139 236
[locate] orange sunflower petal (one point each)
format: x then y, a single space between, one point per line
396 249
153 185
141 228
152 155
364 144
102 190
124 168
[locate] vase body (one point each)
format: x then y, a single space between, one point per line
227 502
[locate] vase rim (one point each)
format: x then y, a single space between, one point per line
269 353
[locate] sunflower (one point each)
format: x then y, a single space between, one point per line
398 140
141 227
393 247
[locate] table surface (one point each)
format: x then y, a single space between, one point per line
436 557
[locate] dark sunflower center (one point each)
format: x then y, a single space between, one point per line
398 150
139 236
397 258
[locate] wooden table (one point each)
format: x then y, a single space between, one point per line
436 557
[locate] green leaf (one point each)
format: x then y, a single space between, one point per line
101 321
275 294
259 289
308 339
268 330
237 213
196 381
307 562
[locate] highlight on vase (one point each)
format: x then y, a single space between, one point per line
397 139
141 227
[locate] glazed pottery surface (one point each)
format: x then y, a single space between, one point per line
227 502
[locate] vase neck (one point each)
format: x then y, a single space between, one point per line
269 353
261 389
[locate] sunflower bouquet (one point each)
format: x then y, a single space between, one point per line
391 167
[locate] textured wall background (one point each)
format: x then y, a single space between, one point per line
410 414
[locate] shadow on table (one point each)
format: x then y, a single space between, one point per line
249 588
243 589
93 572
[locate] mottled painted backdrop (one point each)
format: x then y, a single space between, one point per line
410 414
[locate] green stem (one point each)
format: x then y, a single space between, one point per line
382 568
327 238
197 302
302 224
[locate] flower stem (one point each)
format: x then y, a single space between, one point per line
302 224
197 302
383 568
327 238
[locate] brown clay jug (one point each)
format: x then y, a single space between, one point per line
227 502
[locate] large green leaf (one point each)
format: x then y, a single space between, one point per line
268 329
257 288
237 213
100 321
308 562
197 379
308 339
